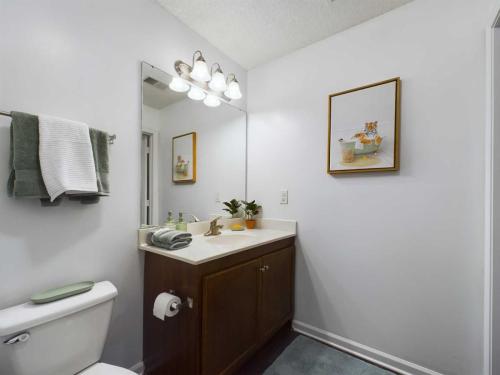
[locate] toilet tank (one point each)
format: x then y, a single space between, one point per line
63 337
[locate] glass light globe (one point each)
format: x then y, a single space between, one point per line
212 101
178 85
196 93
218 82
200 71
233 90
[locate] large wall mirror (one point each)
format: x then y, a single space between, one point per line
193 157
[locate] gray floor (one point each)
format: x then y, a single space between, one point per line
308 356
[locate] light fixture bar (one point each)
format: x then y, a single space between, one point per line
212 82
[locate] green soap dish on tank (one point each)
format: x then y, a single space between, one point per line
66 291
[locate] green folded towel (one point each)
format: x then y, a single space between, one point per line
173 245
169 239
169 236
176 245
25 178
163 243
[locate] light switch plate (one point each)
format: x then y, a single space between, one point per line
284 197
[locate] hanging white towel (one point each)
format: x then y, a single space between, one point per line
66 159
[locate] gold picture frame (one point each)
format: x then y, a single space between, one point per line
184 158
365 151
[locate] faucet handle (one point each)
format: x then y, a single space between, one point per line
193 216
214 228
214 221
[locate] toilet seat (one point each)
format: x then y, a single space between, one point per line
105 369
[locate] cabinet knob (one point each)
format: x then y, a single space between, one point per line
264 268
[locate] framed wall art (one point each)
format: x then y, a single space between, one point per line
364 127
184 158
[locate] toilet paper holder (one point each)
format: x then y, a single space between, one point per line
188 302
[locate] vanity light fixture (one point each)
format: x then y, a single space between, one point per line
218 81
233 88
211 86
178 85
211 101
200 71
196 93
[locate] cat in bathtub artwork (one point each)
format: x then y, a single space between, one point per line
362 148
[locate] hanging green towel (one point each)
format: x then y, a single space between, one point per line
99 140
25 178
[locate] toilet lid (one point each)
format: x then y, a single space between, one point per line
105 369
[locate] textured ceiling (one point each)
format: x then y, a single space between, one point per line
252 32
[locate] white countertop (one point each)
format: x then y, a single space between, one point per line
207 248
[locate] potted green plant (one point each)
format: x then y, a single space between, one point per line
233 207
251 209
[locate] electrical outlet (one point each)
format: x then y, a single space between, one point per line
284 197
217 197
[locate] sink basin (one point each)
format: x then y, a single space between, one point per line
230 239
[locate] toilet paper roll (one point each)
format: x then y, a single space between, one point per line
163 305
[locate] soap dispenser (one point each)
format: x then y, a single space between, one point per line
181 224
170 223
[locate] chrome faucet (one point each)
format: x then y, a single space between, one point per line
195 218
214 228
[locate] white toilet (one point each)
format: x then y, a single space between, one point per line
65 337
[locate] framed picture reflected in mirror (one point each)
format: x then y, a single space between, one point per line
184 158
363 129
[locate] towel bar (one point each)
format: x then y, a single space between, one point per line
111 138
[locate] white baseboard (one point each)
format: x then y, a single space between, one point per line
375 356
138 368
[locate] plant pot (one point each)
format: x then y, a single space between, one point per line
250 224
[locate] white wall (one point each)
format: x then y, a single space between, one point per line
391 261
150 118
220 162
80 59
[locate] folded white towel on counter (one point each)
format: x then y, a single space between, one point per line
66 158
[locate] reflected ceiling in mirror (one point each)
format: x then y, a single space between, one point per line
193 157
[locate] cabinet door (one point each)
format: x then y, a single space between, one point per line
230 316
277 289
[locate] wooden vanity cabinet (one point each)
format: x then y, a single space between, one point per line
230 318
277 285
239 302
